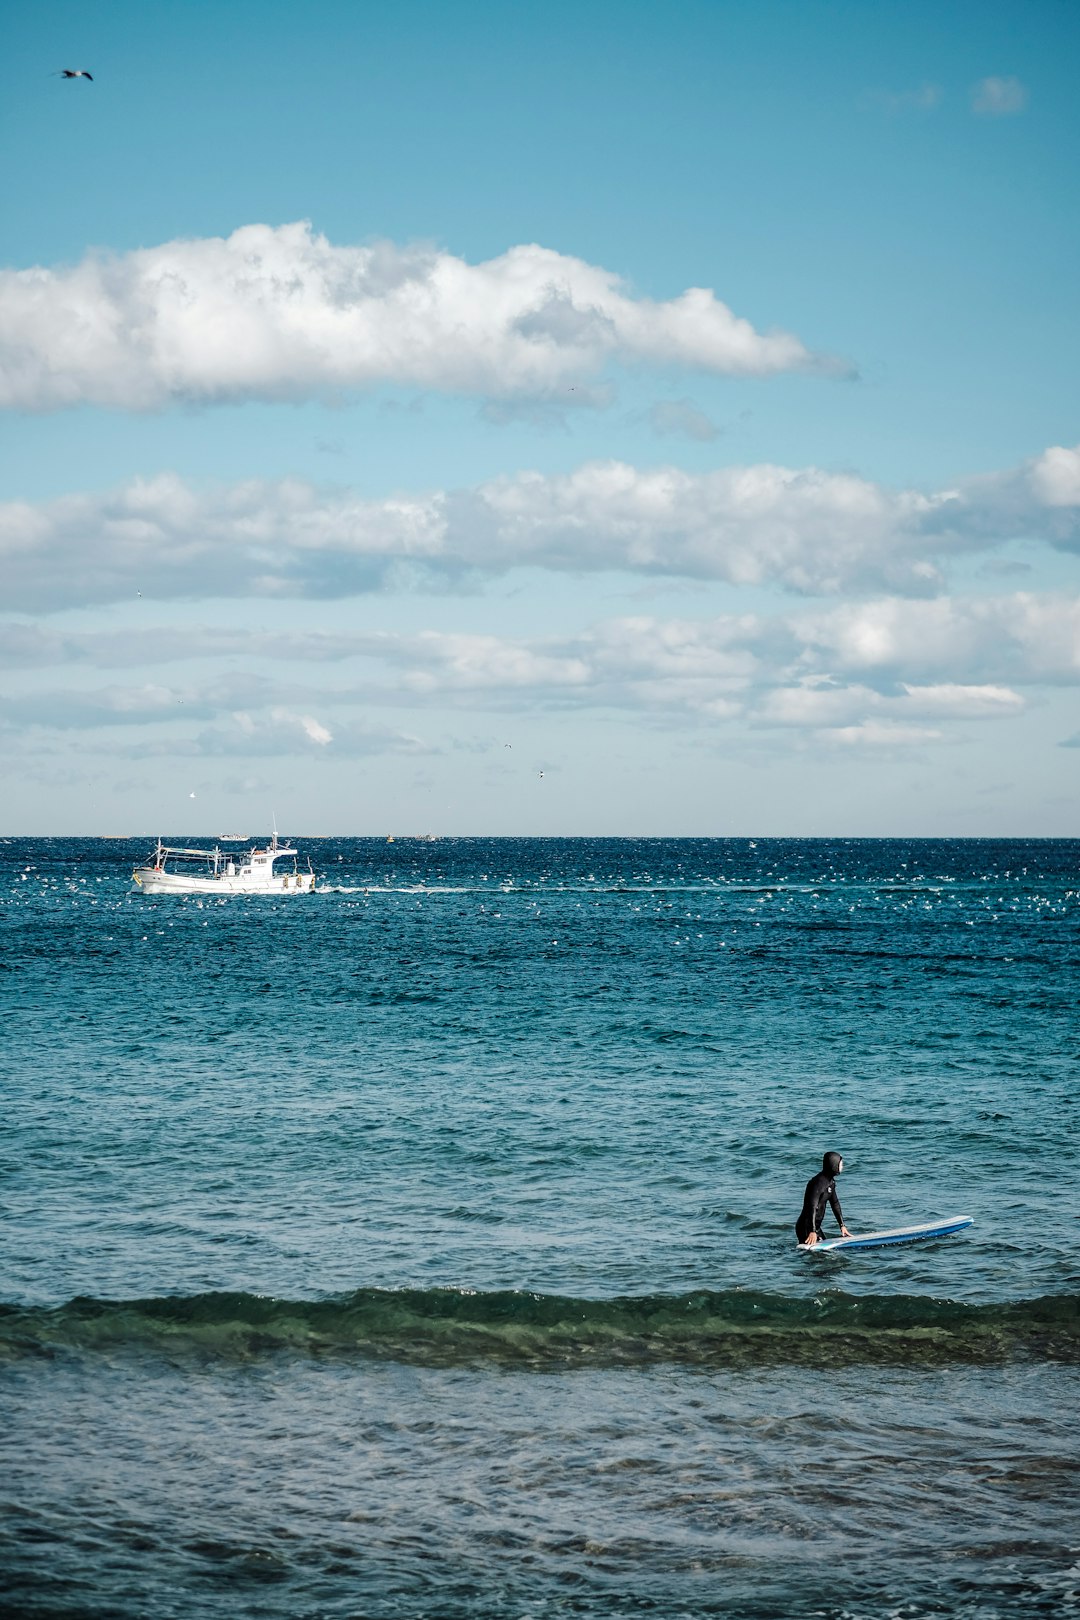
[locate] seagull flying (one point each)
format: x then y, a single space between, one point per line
75 73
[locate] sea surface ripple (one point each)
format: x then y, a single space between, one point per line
424 1246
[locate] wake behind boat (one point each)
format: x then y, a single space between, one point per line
274 869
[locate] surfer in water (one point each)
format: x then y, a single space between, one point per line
820 1190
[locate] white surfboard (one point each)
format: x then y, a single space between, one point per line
898 1234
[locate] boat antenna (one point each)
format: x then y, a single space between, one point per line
273 818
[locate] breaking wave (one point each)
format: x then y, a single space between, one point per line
733 1328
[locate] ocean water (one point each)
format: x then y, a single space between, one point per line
423 1247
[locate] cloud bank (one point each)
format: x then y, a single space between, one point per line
283 314
885 673
1024 637
810 531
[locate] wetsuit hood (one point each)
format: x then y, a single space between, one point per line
832 1163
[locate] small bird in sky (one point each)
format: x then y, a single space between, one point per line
74 73
191 795
541 776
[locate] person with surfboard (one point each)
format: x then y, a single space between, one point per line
820 1190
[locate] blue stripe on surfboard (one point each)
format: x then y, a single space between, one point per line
899 1234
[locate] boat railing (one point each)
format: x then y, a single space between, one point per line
184 856
218 861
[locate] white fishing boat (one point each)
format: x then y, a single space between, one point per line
274 869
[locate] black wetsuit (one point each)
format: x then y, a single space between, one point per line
820 1190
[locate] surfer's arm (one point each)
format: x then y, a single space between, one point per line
834 1204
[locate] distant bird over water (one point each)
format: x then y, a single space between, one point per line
73 73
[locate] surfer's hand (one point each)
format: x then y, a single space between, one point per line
811 1240
844 1232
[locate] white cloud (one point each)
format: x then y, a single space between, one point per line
281 313
964 657
814 704
1055 476
437 662
280 731
923 98
681 418
999 97
954 701
237 736
1023 637
33 645
146 702
814 674
811 531
314 729
881 734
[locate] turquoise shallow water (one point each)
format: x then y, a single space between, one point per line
424 1246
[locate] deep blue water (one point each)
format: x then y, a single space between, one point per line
424 1246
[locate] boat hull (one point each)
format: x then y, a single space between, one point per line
151 881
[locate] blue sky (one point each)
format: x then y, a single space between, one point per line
366 451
